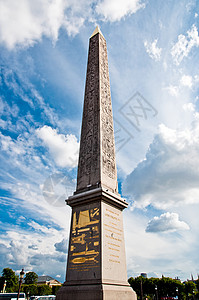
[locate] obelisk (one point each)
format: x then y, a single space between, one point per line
96 266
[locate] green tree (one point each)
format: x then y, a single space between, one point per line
190 288
146 287
12 280
197 284
30 289
135 283
142 286
44 289
31 278
166 287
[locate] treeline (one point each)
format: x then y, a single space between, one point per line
29 285
165 287
39 290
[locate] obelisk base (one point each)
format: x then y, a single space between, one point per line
96 292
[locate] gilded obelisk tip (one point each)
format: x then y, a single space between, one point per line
97 30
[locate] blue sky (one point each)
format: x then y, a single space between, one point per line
153 63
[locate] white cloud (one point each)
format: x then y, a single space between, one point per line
25 91
7 110
184 44
62 246
186 80
26 22
11 146
196 78
33 251
189 107
43 229
172 90
169 175
152 49
21 165
63 148
182 82
114 10
160 257
166 222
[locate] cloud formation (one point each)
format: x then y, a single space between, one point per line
62 246
184 45
160 256
114 10
63 148
186 80
166 222
153 50
26 22
169 175
33 250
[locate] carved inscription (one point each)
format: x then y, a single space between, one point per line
97 164
88 167
114 234
108 145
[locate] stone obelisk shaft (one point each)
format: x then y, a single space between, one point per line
97 165
96 263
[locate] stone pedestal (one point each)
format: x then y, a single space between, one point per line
97 292
96 267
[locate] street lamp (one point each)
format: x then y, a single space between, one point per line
156 289
4 286
177 292
141 289
20 282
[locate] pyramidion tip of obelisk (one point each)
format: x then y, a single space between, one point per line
97 30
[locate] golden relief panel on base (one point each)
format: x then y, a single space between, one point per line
84 246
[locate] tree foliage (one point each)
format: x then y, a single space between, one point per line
29 289
33 289
11 280
190 288
31 278
44 289
155 288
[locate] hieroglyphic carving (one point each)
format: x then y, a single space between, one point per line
88 167
84 250
108 145
97 166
